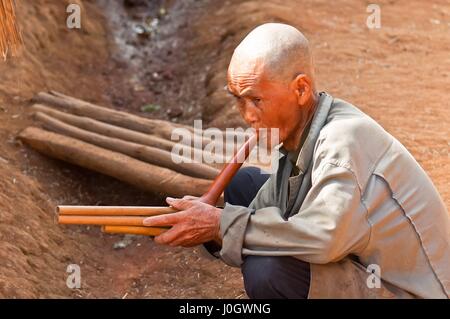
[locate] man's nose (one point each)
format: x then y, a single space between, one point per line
250 115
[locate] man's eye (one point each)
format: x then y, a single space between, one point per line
238 99
256 101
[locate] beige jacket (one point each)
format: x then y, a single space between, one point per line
360 195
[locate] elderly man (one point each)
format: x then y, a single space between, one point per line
349 213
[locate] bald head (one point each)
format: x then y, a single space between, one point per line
278 50
271 77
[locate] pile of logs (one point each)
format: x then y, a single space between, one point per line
133 149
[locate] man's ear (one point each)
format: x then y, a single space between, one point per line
302 85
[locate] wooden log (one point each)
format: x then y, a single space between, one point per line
121 133
92 125
134 230
127 169
156 121
104 114
114 210
189 128
160 128
145 153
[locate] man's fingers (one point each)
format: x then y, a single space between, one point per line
162 220
182 241
179 203
189 197
168 236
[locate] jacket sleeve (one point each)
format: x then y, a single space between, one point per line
330 224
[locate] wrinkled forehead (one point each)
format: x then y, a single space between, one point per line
245 67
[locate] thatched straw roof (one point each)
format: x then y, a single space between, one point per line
10 37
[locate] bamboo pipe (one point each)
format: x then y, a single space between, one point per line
114 210
134 230
101 220
113 215
228 171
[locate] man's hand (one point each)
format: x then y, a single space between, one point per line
195 223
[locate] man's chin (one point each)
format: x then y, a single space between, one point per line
268 138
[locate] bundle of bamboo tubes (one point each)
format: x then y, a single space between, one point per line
133 149
130 220
114 220
10 37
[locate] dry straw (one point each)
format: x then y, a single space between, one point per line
10 37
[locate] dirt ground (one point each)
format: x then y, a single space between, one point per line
398 74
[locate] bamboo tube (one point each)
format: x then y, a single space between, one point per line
90 215
145 153
142 175
114 210
134 230
210 197
101 220
226 174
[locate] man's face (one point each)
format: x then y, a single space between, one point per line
263 102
